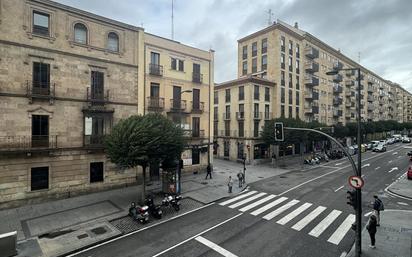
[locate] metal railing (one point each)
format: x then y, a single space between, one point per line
98 97
177 104
156 103
197 107
257 115
40 89
22 143
311 52
156 69
94 141
197 77
240 115
194 133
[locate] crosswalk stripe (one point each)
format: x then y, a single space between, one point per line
306 220
268 206
238 198
279 210
293 214
253 205
247 200
340 233
324 224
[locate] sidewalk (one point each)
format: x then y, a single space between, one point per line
393 238
402 187
57 227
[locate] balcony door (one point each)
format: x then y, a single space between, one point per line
196 99
154 95
40 131
195 126
97 89
177 91
196 72
41 78
154 58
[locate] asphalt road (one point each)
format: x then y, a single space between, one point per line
300 213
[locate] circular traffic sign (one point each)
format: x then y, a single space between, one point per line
356 182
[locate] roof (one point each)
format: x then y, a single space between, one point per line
244 80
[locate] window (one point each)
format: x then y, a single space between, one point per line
241 93
113 42
39 178
290 111
177 64
197 76
154 90
155 67
80 33
96 172
244 52
240 151
40 130
297 51
290 80
282 61
297 83
227 96
195 156
226 147
267 94
244 68
41 23
254 65
297 67
41 78
216 97
215 114
227 128
241 129
290 96
97 85
282 95
256 129
215 128
241 111
267 112
290 47
282 43
256 92
297 98
254 49
195 126
196 99
290 64
264 45
264 62
282 111
282 78
256 111
297 112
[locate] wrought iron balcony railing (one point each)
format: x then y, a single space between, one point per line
27 143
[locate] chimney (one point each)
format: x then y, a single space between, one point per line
296 25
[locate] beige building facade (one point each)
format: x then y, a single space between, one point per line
66 78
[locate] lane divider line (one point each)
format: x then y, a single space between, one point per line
336 190
215 247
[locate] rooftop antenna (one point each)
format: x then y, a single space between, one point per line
270 14
173 32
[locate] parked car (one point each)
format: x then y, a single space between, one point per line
406 140
409 153
383 142
390 141
380 148
409 173
374 143
370 146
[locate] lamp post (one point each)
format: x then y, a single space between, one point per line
358 240
179 171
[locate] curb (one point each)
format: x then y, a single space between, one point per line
399 195
87 246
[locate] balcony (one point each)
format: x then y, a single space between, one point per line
197 107
240 115
257 115
177 105
370 88
226 133
311 81
337 65
226 115
315 109
349 83
349 93
308 109
337 78
311 52
370 98
314 95
337 100
348 104
337 89
40 90
311 67
97 97
337 113
155 69
94 141
155 103
15 144
268 115
197 77
191 133
350 73
348 115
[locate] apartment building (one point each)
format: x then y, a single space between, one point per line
67 77
241 108
298 61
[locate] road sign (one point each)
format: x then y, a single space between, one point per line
356 182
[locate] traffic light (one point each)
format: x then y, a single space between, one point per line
351 196
279 131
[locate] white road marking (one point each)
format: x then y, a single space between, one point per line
377 168
339 163
237 198
279 210
367 214
395 153
366 165
395 168
390 161
215 247
363 176
325 223
253 205
336 190
399 157
293 214
247 200
340 233
306 220
201 233
268 206
343 254
402 203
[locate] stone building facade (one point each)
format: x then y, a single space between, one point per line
66 77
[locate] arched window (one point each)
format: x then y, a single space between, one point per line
80 33
113 42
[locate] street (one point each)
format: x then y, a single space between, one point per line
300 213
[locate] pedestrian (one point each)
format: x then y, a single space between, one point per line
240 178
378 207
371 227
209 171
230 184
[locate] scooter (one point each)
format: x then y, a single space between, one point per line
140 214
154 210
172 201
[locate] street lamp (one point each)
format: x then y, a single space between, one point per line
358 246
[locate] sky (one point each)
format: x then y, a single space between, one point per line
380 30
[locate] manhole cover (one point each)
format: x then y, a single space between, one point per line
99 230
82 236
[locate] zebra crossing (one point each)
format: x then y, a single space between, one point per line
285 210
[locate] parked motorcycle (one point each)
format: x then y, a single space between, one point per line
172 201
154 210
140 214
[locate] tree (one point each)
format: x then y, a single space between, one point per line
141 140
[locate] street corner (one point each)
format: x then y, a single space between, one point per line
401 187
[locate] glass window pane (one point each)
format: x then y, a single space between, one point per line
80 33
113 42
40 19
